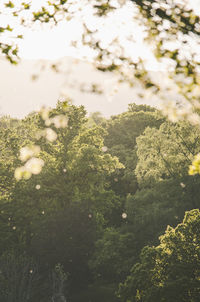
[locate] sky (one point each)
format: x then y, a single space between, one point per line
46 42
53 42
19 95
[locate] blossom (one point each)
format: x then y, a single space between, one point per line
50 134
34 165
194 119
60 121
28 152
48 122
44 112
21 172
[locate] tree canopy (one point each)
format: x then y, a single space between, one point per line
169 271
91 218
84 215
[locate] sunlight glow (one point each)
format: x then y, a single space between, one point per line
47 42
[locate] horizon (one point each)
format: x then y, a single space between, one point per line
20 95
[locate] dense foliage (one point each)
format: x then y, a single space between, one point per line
90 226
92 218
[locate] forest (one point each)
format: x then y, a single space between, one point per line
105 209
113 215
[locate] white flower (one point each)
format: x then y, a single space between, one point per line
44 112
182 113
37 187
173 116
60 121
27 152
21 172
122 2
34 165
196 104
48 122
50 134
194 119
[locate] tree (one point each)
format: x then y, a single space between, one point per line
18 277
71 194
170 271
78 211
166 152
96 118
150 210
114 255
123 130
170 28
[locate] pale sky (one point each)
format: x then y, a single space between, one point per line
19 95
54 43
43 42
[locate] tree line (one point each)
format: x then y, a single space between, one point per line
113 215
